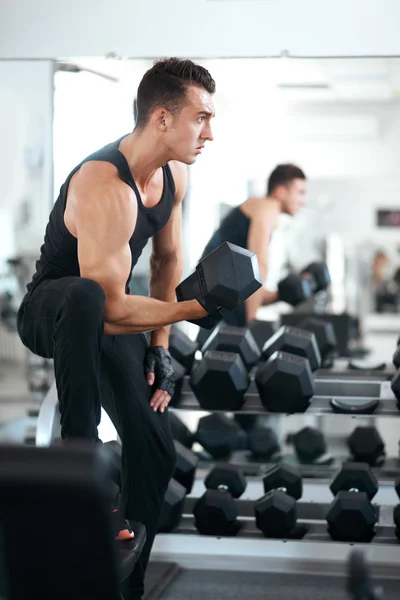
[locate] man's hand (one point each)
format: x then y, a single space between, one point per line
160 372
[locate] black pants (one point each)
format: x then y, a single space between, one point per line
64 319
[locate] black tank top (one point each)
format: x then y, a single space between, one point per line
234 228
59 255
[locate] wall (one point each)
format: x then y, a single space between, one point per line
26 112
205 28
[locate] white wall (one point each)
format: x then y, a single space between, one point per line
205 28
26 113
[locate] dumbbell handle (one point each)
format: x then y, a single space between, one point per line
282 489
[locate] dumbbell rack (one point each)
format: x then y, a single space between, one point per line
326 390
249 550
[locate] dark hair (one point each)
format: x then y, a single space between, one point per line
282 175
166 84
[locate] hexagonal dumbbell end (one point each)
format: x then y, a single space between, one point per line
218 434
355 476
262 442
276 514
294 341
351 517
220 380
179 374
324 333
186 465
172 508
215 513
309 444
234 339
366 445
229 275
285 383
182 348
285 478
228 477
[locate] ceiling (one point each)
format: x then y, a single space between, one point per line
316 80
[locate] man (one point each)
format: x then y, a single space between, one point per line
78 309
251 225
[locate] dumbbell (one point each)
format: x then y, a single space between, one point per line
262 330
221 378
219 435
366 445
238 340
180 431
351 517
285 381
179 376
224 278
172 507
186 465
276 511
182 348
309 445
294 341
180 485
324 334
216 512
296 288
260 440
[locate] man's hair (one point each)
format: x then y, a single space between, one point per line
283 175
165 85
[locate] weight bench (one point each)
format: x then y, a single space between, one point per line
56 538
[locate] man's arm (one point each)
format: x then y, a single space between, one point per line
261 226
166 263
105 213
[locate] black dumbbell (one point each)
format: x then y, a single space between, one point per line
262 330
179 375
180 431
262 442
172 509
222 279
276 511
234 339
366 445
309 445
285 383
220 380
294 341
317 274
296 288
395 385
324 334
182 348
351 517
219 435
216 512
186 465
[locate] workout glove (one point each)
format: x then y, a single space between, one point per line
159 361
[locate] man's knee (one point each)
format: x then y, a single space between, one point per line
86 298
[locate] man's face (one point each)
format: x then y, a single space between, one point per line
294 196
191 128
